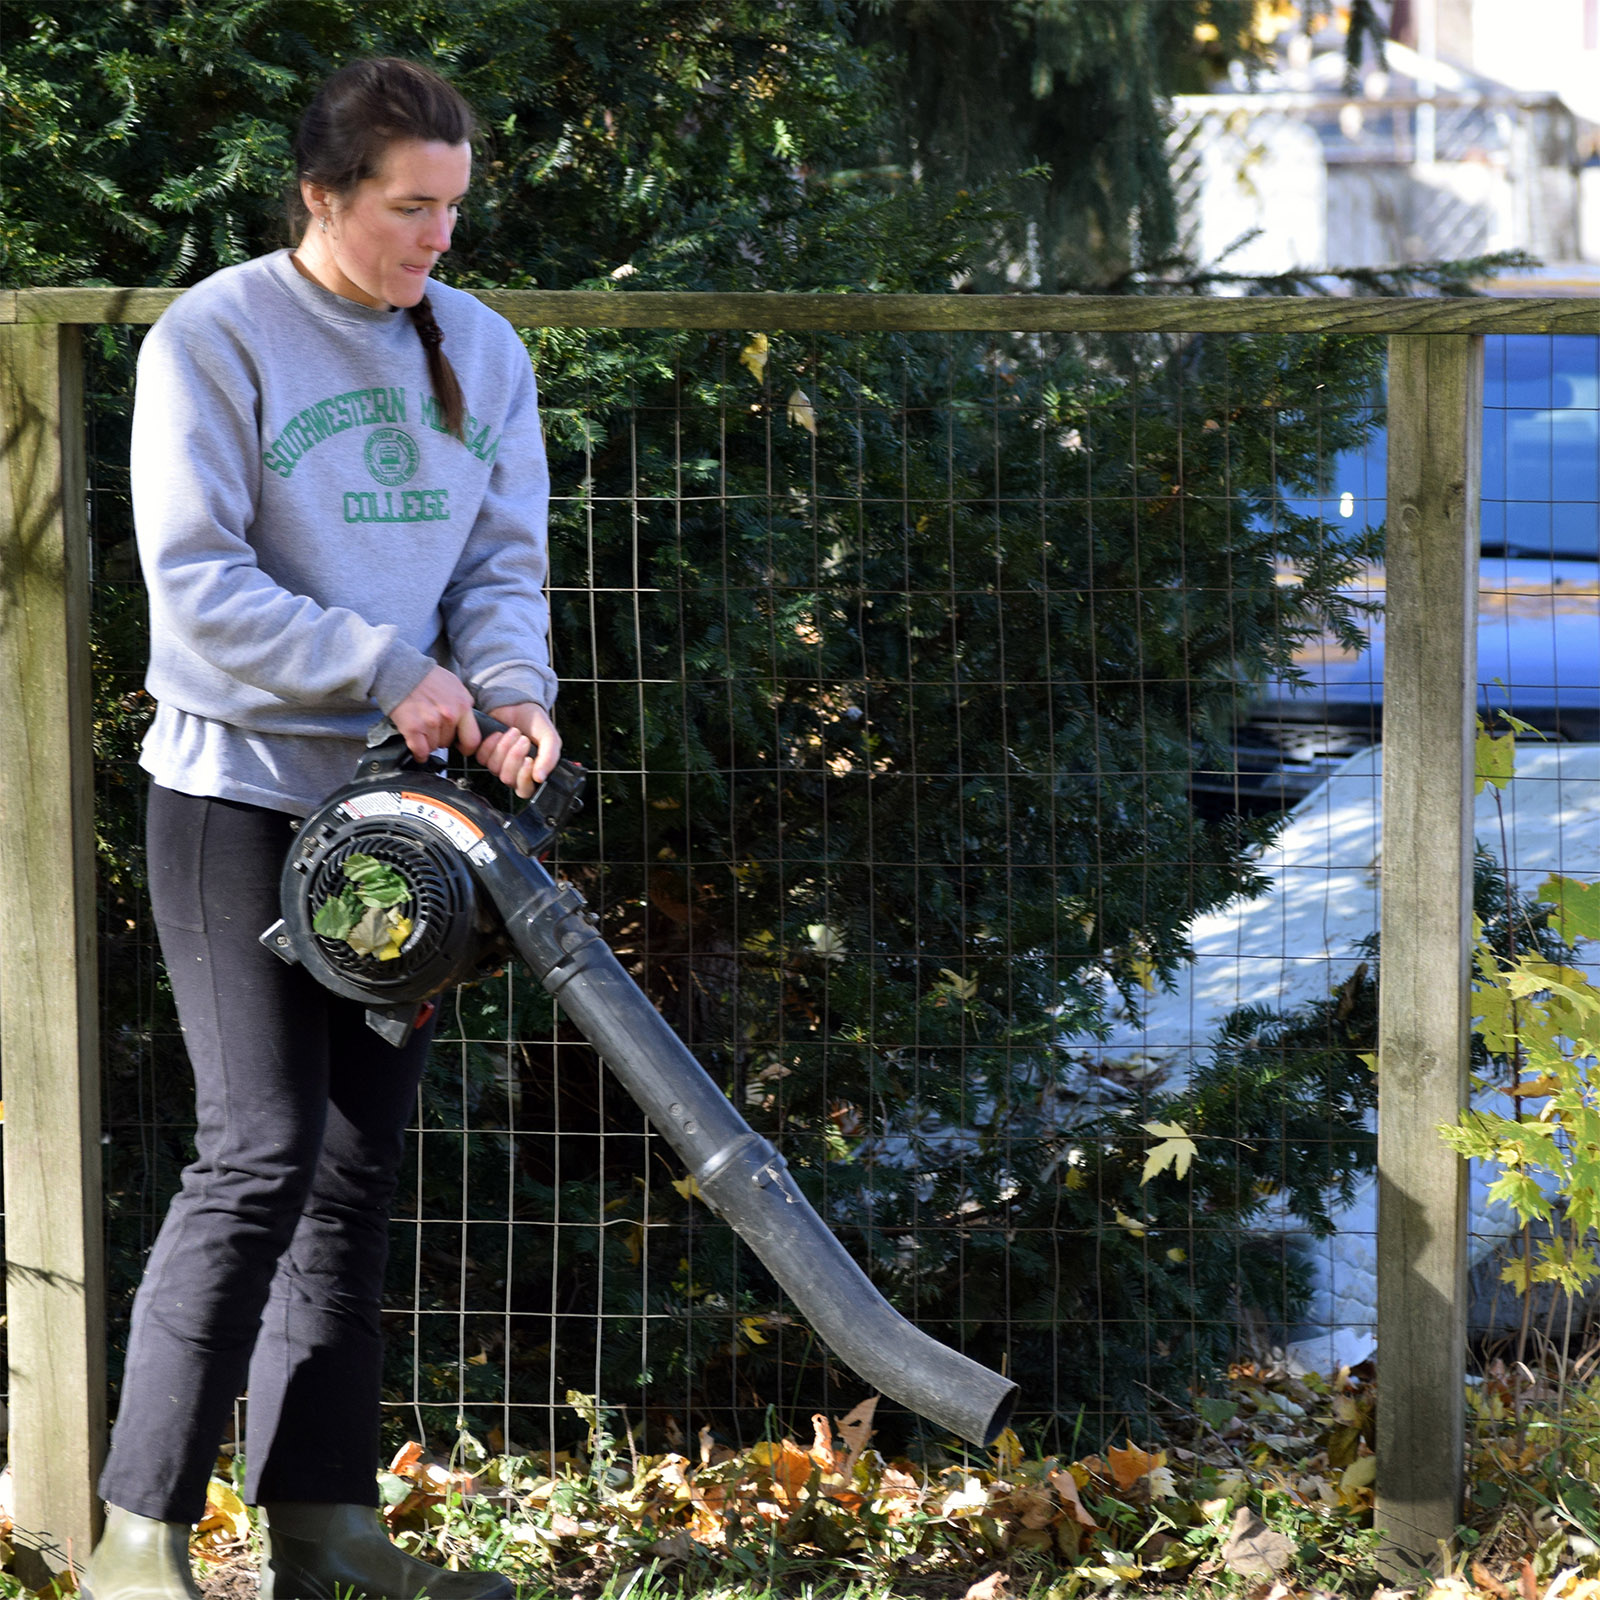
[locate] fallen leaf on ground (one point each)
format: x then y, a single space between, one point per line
822 1451
679 1547
225 1523
1130 1465
856 1431
789 1467
991 1588
971 1496
1066 1488
1490 1584
1253 1550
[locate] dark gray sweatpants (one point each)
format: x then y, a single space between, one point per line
268 1269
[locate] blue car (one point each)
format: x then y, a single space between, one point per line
1539 596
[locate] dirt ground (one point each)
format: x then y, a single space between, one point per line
236 1581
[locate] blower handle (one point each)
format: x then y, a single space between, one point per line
387 748
488 724
533 829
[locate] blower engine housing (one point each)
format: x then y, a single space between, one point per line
419 827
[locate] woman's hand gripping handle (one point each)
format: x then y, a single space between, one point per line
518 743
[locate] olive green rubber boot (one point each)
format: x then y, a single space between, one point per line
139 1558
325 1552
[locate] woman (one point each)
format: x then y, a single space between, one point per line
329 509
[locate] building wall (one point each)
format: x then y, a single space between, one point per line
1538 46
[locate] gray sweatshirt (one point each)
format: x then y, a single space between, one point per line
312 538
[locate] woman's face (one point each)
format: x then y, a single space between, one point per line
383 237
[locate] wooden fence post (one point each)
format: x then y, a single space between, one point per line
1429 690
49 1001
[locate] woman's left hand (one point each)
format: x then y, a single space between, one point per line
522 759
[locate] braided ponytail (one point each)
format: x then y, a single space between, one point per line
446 386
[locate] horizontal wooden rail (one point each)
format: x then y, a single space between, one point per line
922 313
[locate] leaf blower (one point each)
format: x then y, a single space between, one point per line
403 884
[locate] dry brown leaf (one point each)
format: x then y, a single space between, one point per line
856 1431
1033 1508
1530 1584
991 1588
442 1481
899 1492
1066 1488
1253 1550
1487 1581
822 1451
676 1547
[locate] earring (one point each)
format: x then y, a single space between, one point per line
322 222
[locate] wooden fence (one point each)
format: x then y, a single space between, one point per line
49 1001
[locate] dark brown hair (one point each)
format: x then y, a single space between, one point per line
342 138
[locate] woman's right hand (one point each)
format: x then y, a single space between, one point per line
438 712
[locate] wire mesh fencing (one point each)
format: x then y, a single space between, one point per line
983 744
1532 1241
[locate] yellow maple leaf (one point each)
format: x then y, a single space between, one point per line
225 1520
1496 760
966 988
1176 1150
1518 1272
1008 1451
1536 1088
754 356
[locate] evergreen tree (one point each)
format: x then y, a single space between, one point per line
986 88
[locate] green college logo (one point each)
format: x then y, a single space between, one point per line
392 456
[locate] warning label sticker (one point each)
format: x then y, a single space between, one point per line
460 830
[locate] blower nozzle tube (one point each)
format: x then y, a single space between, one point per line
455 849
738 1173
